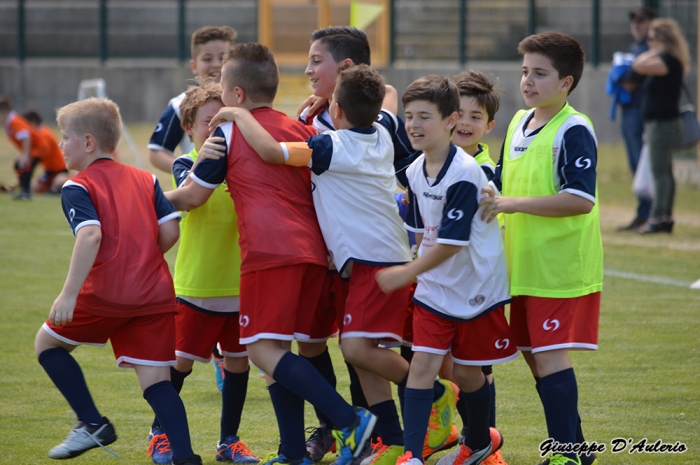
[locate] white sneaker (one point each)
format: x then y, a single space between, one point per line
83 438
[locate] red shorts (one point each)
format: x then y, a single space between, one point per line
279 303
133 339
408 318
541 323
197 333
330 308
371 313
484 341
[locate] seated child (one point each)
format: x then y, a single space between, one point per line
31 147
55 172
462 276
118 287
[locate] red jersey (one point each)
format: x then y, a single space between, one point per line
52 160
130 276
18 129
276 217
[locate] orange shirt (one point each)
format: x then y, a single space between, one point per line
18 129
53 158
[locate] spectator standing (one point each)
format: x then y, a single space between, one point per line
632 125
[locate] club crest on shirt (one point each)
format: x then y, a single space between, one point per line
478 300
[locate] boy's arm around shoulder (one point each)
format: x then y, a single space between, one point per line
261 141
87 244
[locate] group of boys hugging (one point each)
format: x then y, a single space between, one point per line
36 145
314 245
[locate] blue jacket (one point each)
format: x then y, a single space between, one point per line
621 65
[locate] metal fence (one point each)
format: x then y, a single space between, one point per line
442 30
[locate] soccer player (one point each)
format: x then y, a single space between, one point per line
207 281
462 276
283 256
208 46
31 147
547 175
55 172
478 103
118 286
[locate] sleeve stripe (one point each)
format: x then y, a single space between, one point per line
87 223
202 182
166 218
414 230
580 194
441 240
70 183
159 147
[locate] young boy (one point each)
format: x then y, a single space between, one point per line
55 172
118 285
208 46
332 49
548 179
478 104
31 147
462 276
207 280
283 257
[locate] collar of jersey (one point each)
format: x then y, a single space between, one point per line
369 130
445 166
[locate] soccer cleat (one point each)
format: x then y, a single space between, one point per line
558 459
320 442
280 459
442 417
83 438
494 459
353 438
383 454
465 456
408 459
366 451
452 440
159 447
234 450
193 459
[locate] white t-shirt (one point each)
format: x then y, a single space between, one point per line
446 211
353 190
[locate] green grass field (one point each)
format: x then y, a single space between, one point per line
641 383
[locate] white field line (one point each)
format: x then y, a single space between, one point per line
651 279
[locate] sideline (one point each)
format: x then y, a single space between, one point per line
651 279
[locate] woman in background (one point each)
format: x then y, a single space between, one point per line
664 64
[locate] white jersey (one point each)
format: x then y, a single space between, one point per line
446 211
353 191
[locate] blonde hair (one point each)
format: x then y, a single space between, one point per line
196 97
98 117
668 32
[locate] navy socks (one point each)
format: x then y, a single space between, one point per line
289 410
388 425
170 411
324 365
478 406
301 378
559 394
233 397
177 379
68 377
418 402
